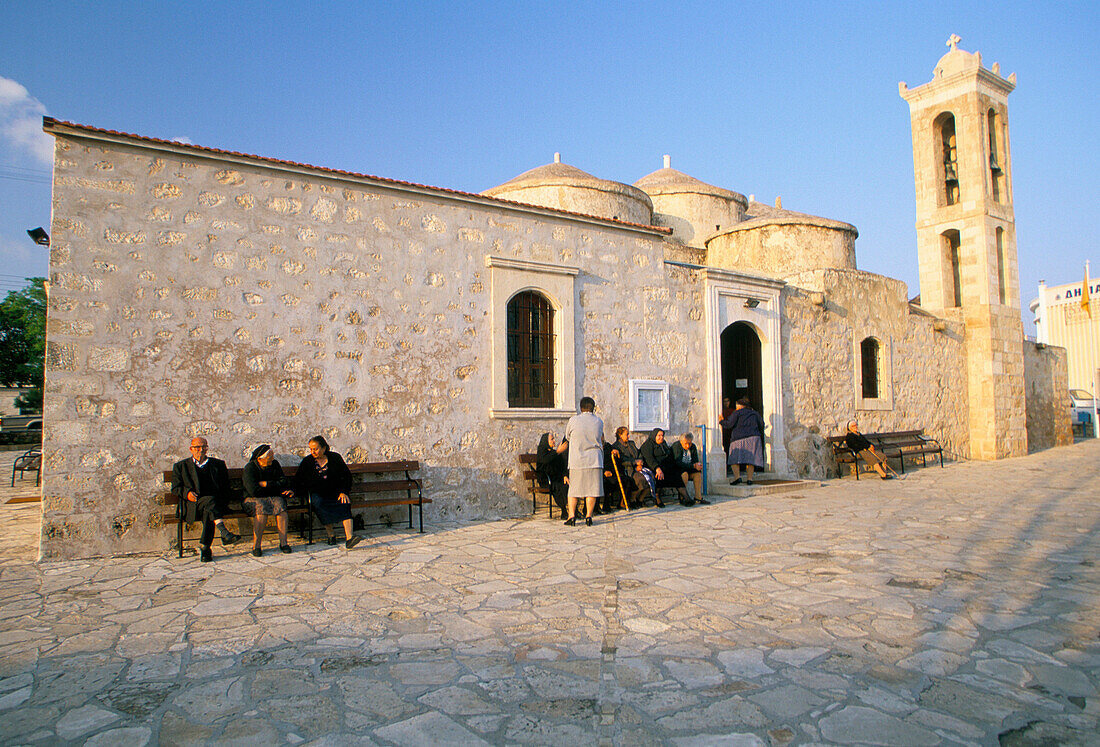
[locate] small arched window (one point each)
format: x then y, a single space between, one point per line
1002 276
996 158
869 364
949 157
530 321
951 243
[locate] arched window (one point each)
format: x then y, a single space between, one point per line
869 364
996 171
530 321
951 241
1002 279
949 157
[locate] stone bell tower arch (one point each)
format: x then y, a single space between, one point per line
966 236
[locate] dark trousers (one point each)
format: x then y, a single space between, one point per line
206 509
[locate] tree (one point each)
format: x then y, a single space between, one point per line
23 341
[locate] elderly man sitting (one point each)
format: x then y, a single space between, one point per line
855 442
686 456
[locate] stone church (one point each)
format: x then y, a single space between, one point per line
251 300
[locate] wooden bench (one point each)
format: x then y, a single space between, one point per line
527 465
892 445
28 461
397 478
910 444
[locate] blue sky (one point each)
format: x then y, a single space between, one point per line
791 99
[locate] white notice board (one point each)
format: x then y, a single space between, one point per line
648 404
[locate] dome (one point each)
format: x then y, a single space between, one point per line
693 209
670 181
781 243
564 187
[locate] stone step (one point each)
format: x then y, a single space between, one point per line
765 485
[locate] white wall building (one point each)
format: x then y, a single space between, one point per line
1061 320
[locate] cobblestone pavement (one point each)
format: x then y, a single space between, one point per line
956 607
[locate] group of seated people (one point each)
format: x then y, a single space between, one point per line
201 483
632 475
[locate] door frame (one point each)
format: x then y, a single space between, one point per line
726 294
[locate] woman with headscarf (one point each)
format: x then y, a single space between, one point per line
551 470
746 441
326 479
657 456
266 491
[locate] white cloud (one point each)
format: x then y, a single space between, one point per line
182 139
21 121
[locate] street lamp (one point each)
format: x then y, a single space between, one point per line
39 236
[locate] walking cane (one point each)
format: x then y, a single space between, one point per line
615 466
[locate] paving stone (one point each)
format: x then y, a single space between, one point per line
456 701
859 725
787 702
1062 680
694 673
967 703
131 736
797 657
1005 670
433 728
80 721
210 701
746 662
933 662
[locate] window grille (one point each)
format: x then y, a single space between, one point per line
531 347
869 353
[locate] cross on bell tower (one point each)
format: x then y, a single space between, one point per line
966 236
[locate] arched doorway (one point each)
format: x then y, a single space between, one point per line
741 365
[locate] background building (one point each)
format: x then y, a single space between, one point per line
1061 320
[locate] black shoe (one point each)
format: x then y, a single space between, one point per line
333 540
660 504
285 549
257 552
588 521
703 501
571 522
735 482
564 516
205 556
228 538
353 540
748 482
887 477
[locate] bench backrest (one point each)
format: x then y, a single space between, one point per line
356 468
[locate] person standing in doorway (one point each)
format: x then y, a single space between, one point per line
746 441
584 440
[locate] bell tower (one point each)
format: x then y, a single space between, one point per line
966 236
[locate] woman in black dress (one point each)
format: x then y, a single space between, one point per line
266 491
657 456
551 470
326 479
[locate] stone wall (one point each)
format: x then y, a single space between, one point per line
921 385
193 293
1047 397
